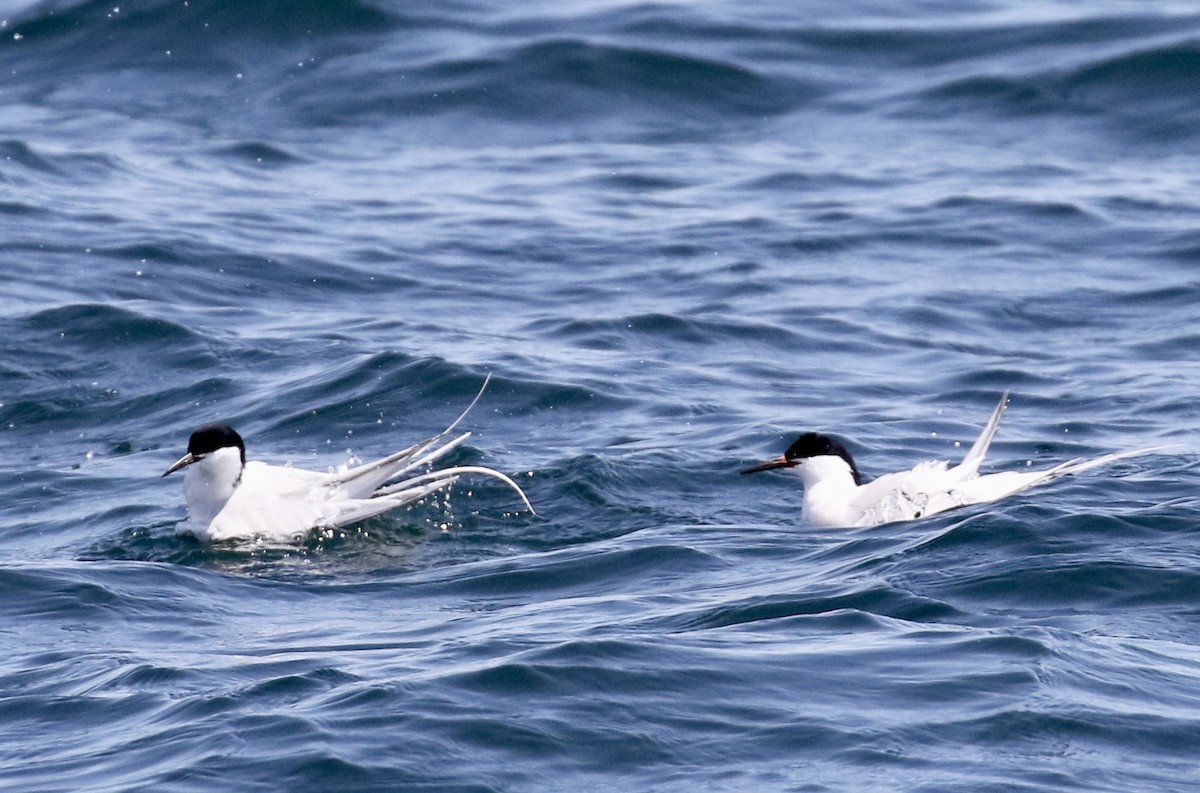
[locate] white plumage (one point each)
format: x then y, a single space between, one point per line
230 498
835 494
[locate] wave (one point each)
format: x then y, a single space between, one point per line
1146 93
551 83
632 71
350 63
191 27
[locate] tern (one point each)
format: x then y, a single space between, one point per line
229 498
836 495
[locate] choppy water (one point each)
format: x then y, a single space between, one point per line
676 234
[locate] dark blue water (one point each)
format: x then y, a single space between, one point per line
675 235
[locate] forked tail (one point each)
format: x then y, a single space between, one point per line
362 481
446 476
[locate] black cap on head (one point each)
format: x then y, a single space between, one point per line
211 437
814 444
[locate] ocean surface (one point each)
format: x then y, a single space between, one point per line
675 234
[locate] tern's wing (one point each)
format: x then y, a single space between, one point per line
271 501
969 467
903 495
363 480
909 497
280 504
344 512
1006 483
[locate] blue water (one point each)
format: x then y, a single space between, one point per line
675 234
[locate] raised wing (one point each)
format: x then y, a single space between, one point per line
362 481
969 467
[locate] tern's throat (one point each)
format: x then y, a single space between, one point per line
210 483
829 491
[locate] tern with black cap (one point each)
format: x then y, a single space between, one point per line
230 498
836 494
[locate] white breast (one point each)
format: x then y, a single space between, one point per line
209 484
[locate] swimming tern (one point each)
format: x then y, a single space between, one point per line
229 498
836 495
